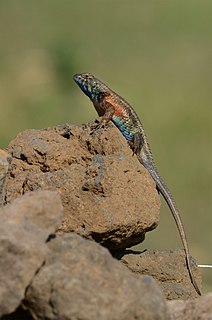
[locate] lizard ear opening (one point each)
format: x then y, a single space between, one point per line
100 96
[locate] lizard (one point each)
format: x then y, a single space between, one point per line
112 107
5 160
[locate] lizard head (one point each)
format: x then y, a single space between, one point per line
91 86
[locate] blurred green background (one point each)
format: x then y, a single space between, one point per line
156 54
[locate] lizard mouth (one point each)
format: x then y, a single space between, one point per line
77 78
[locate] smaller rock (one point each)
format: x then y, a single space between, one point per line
81 280
196 309
25 225
166 266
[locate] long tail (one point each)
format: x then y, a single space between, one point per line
163 189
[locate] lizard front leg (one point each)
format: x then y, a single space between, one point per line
107 116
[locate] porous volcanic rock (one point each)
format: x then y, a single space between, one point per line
81 280
168 267
25 225
106 193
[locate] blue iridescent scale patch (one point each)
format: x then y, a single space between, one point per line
123 127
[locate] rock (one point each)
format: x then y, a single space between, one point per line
196 309
5 161
81 280
25 226
168 267
106 193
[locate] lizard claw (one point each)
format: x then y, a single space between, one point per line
100 125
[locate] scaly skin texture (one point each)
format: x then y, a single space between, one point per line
5 160
111 107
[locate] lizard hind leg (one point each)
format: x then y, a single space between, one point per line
137 143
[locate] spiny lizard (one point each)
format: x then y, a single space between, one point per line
110 106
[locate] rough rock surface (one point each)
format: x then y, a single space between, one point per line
196 309
107 194
81 280
25 226
166 266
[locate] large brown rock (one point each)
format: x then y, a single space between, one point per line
25 226
81 280
196 309
168 267
107 194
